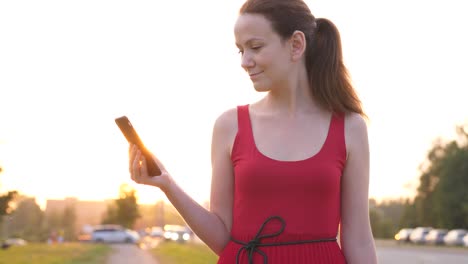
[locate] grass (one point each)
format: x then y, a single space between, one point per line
67 253
188 253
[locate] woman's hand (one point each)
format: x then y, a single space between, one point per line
139 172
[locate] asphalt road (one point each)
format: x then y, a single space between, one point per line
391 253
388 252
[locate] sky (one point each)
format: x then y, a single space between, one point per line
69 68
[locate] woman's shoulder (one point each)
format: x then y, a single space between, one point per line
355 130
226 122
355 122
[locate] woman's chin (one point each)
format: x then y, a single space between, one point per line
260 88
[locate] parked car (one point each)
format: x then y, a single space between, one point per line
403 235
114 234
465 240
177 233
455 237
436 236
13 242
156 231
418 235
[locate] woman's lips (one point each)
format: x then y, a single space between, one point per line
253 75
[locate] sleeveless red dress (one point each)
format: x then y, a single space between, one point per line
285 212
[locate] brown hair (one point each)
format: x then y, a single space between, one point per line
329 79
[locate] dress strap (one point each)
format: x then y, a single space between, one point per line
243 122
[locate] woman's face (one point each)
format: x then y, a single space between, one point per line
264 56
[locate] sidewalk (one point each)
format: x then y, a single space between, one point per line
129 253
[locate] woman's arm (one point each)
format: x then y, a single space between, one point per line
356 234
211 226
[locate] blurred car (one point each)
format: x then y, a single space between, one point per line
114 234
436 236
465 240
403 235
15 242
418 235
156 231
177 233
455 237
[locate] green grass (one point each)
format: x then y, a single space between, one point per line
188 253
67 253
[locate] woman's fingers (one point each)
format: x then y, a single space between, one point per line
131 156
143 167
136 166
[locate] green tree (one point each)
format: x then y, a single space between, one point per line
408 217
442 199
27 220
5 201
386 216
69 223
124 211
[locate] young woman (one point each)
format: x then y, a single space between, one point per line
292 169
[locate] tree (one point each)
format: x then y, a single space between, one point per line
5 201
442 199
124 211
69 223
408 217
27 220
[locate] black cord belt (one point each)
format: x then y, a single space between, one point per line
252 246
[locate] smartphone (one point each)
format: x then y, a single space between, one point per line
132 137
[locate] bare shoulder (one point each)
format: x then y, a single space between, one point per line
225 129
226 122
355 131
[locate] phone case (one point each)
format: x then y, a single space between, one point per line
132 137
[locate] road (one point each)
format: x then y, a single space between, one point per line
129 253
390 253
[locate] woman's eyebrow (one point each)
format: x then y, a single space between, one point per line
249 41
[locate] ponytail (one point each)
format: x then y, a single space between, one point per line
329 79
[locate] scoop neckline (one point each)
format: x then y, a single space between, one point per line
287 161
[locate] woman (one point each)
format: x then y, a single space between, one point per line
287 170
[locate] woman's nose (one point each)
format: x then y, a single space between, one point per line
247 61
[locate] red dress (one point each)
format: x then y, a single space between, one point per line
292 203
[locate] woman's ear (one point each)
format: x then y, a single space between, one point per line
298 45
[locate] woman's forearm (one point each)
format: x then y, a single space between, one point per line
360 253
205 224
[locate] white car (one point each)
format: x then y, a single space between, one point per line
465 240
403 235
455 237
15 242
418 235
114 234
177 233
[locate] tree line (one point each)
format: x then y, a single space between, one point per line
30 222
442 196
